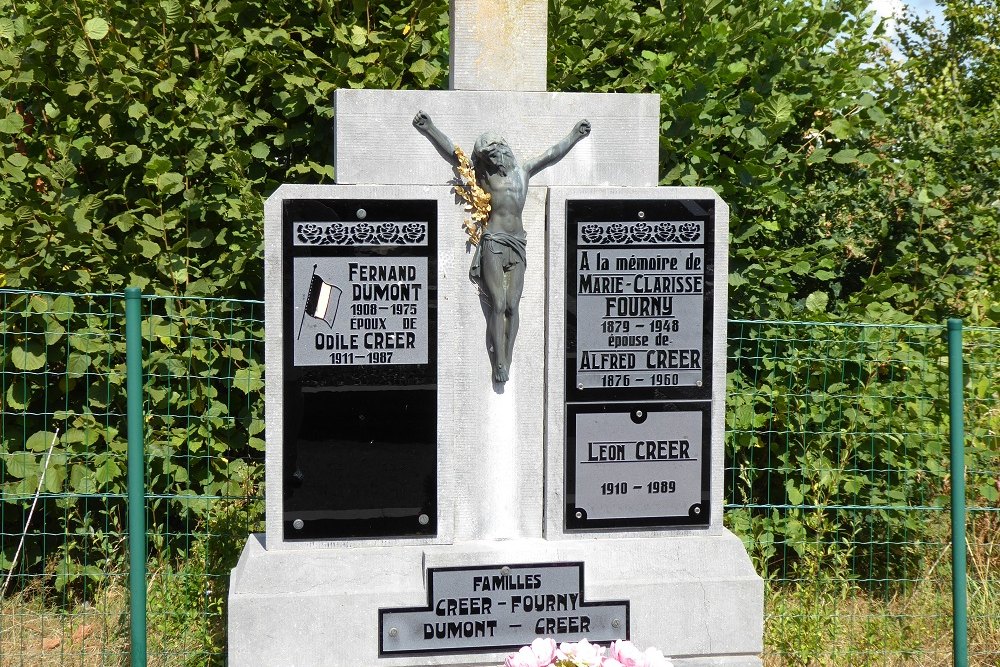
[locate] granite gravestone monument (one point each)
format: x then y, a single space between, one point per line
417 512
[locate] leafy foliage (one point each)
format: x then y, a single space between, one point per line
138 140
64 381
140 143
860 188
839 439
764 102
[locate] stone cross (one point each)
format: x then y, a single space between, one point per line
498 80
498 44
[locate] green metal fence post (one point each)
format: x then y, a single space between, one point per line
136 476
956 405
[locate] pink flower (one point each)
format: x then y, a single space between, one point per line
627 654
523 658
611 662
544 651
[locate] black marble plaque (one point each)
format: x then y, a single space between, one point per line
360 365
639 312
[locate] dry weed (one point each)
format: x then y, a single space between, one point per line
34 634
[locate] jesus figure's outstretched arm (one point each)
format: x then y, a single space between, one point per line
423 122
558 151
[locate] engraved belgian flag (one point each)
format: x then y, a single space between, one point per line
323 299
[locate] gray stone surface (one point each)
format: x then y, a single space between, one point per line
375 141
695 597
498 44
489 443
555 338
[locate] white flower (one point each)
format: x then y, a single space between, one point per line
523 658
544 650
581 654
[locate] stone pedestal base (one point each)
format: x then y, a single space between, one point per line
694 596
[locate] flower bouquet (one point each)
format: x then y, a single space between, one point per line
545 653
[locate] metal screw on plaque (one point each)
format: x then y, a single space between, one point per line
616 623
579 514
698 383
638 413
423 519
642 214
579 386
393 632
362 214
697 510
297 524
505 570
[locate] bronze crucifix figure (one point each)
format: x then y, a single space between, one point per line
499 263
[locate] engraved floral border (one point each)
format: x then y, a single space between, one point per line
359 233
640 232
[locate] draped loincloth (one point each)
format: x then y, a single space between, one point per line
512 248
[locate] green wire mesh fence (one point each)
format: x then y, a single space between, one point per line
204 430
837 478
65 583
982 429
62 379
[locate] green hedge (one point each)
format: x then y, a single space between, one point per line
138 140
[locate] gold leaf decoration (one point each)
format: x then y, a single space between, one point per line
477 200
